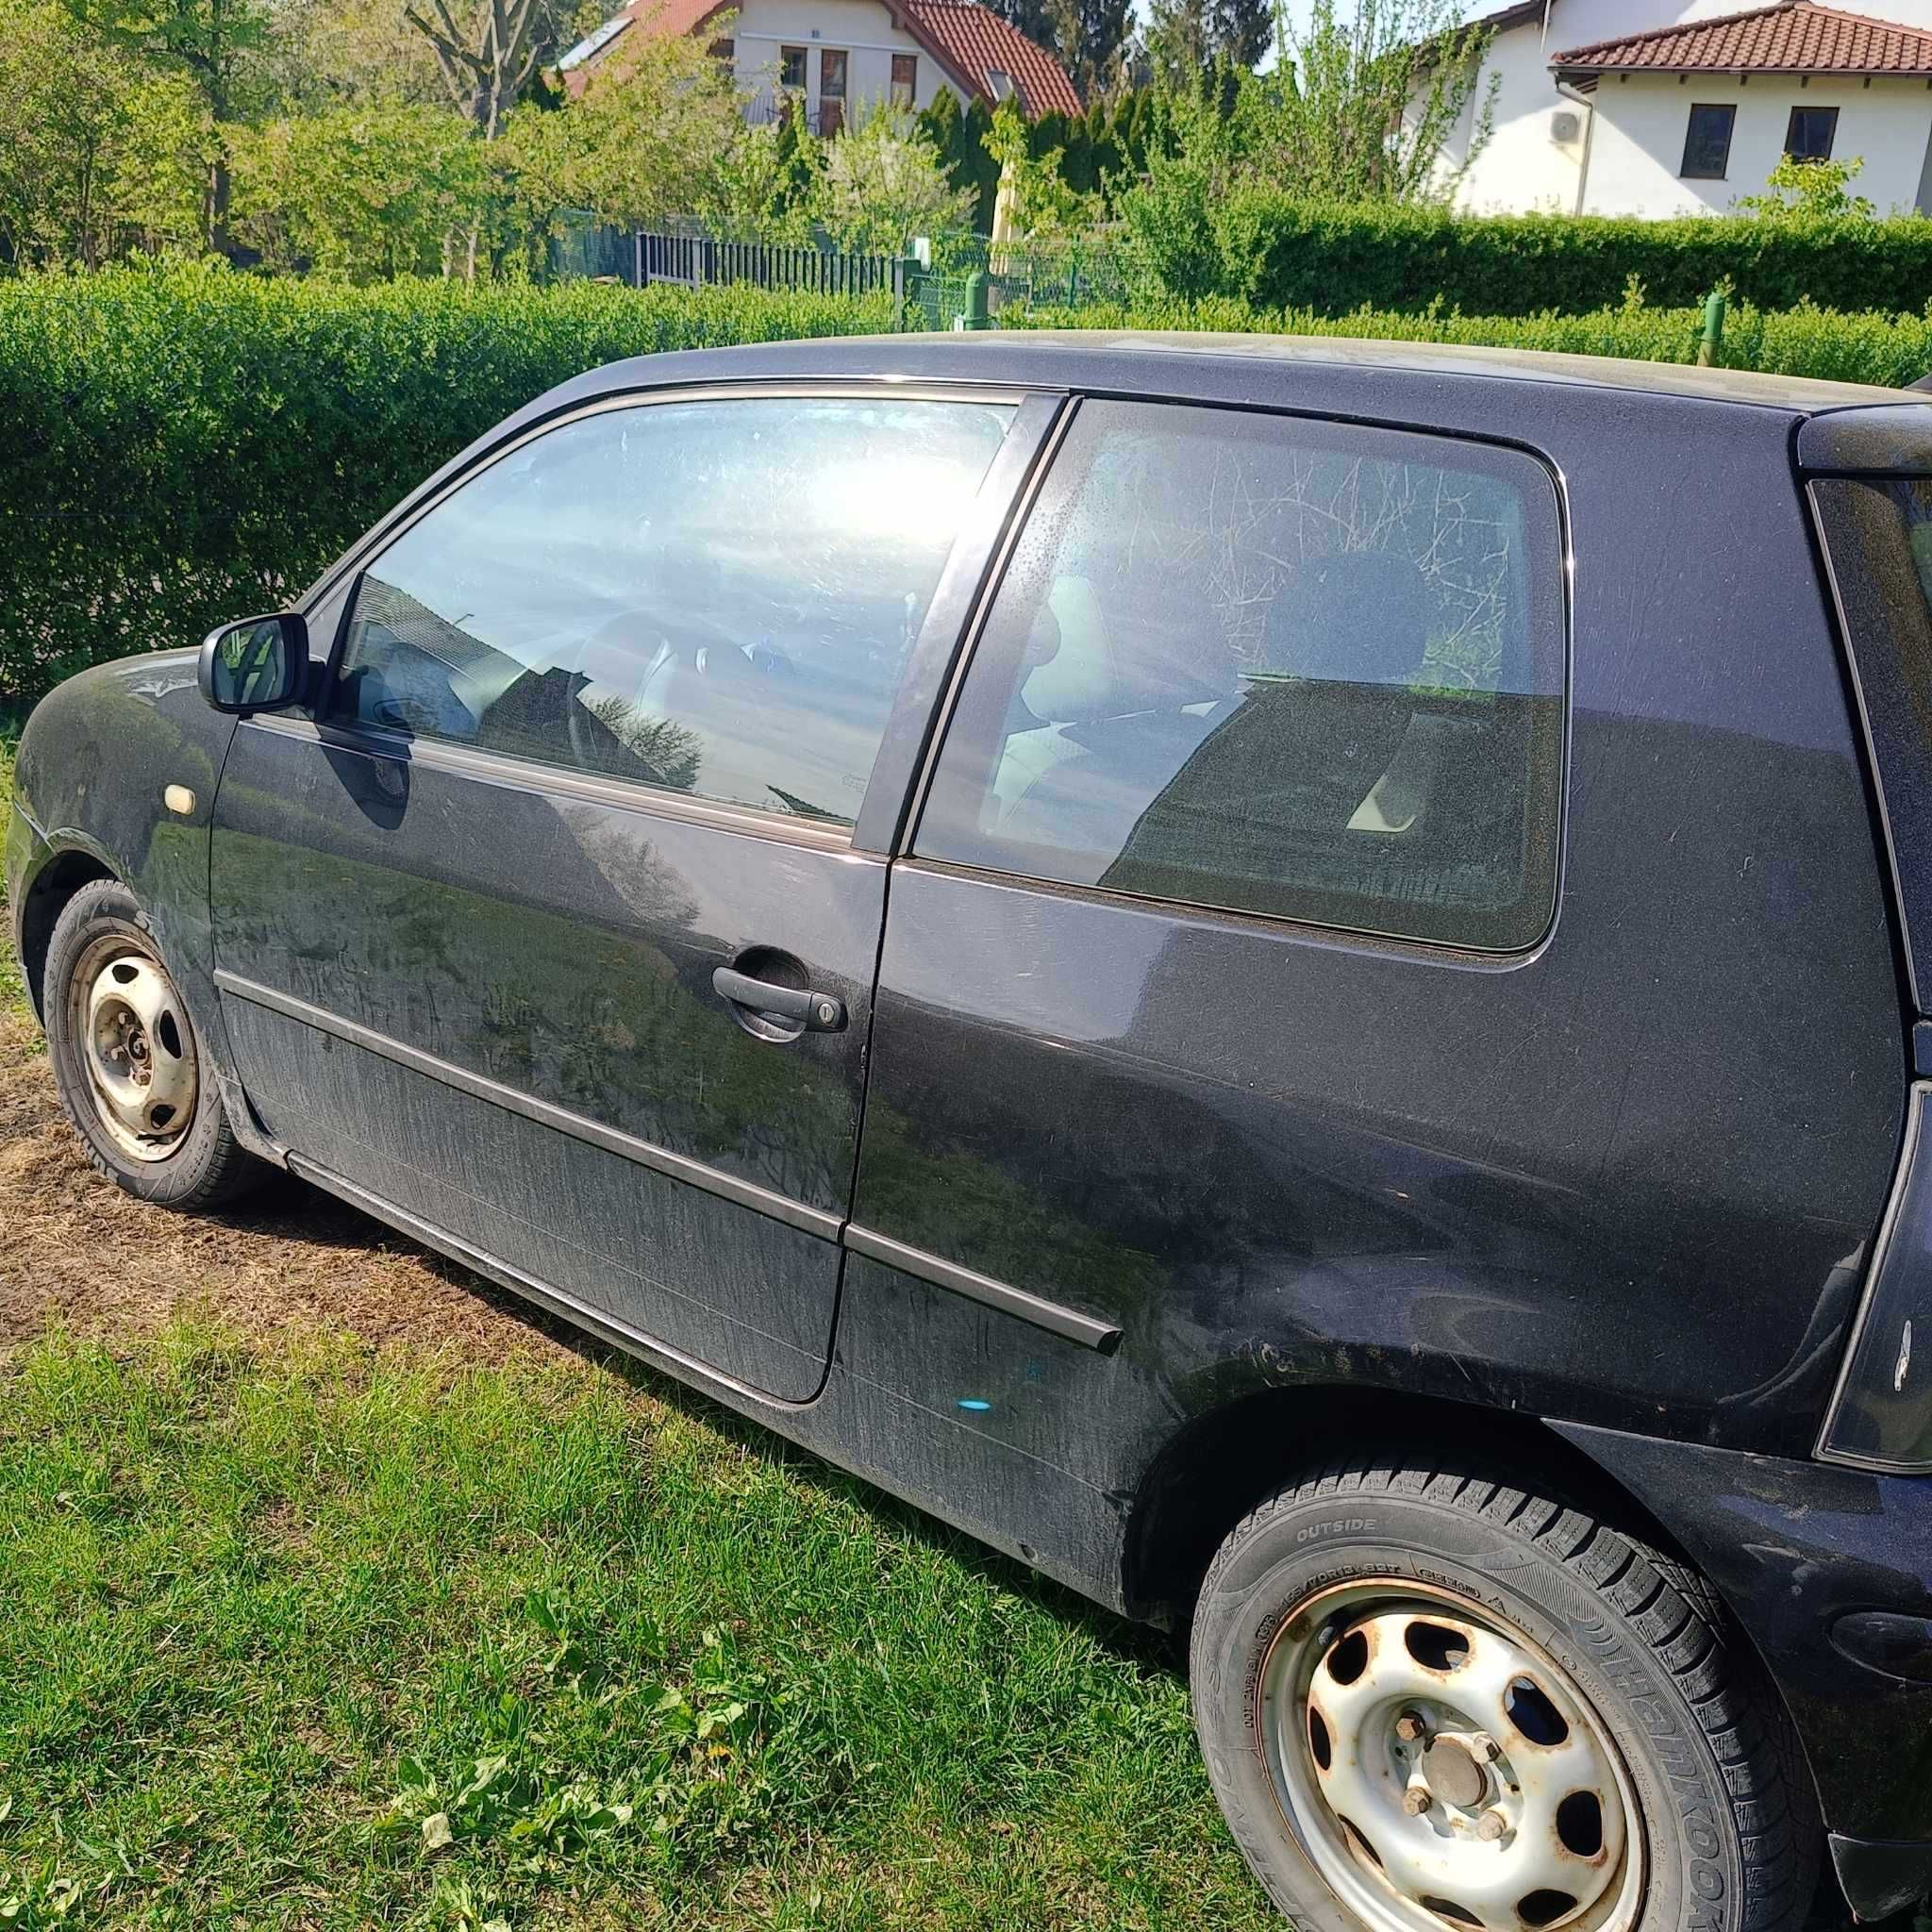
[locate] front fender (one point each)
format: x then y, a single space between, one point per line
100 759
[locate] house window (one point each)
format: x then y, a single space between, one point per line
831 90
904 79
725 52
998 84
1707 144
1812 132
791 69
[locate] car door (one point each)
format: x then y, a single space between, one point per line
547 930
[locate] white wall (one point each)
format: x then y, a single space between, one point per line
1523 168
862 29
1641 121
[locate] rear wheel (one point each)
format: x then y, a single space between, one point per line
1432 1700
131 1069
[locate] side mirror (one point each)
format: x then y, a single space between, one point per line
259 664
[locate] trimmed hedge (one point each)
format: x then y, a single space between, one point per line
1890 350
184 446
1278 253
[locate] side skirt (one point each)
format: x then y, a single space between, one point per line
553 1301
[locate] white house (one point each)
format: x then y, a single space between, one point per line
838 58
1639 108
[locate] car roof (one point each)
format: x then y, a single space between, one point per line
1158 361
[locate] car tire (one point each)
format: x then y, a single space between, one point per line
1403 1621
132 1069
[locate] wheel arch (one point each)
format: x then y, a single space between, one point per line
1216 1469
54 885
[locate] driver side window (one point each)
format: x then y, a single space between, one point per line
713 598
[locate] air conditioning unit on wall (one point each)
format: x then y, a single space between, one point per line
1565 125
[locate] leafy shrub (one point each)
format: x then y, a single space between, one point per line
1891 350
1264 247
186 447
362 192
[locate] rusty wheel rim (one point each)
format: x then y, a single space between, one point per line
1440 1771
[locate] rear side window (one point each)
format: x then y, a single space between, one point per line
711 598
1274 666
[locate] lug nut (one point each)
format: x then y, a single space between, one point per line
1485 1747
1411 1728
1490 1826
1416 1800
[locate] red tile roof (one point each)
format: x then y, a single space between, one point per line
1794 37
970 42
973 42
649 19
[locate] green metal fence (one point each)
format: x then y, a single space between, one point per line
967 288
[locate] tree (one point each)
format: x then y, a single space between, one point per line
1089 37
959 138
486 68
1046 210
1360 111
334 53
216 44
1365 109
1173 48
1809 191
764 185
93 155
882 183
657 120
362 193
1240 31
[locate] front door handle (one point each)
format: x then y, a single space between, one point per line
817 1012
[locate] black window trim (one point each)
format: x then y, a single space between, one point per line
1729 109
1438 951
1850 581
1008 467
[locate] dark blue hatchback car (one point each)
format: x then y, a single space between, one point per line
1285 978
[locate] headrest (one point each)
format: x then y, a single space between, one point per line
1103 669
1356 617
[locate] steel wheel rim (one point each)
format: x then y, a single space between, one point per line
134 1041
1504 1842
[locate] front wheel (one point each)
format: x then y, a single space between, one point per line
131 1069
1431 1701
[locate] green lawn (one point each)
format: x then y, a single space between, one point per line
325 1637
